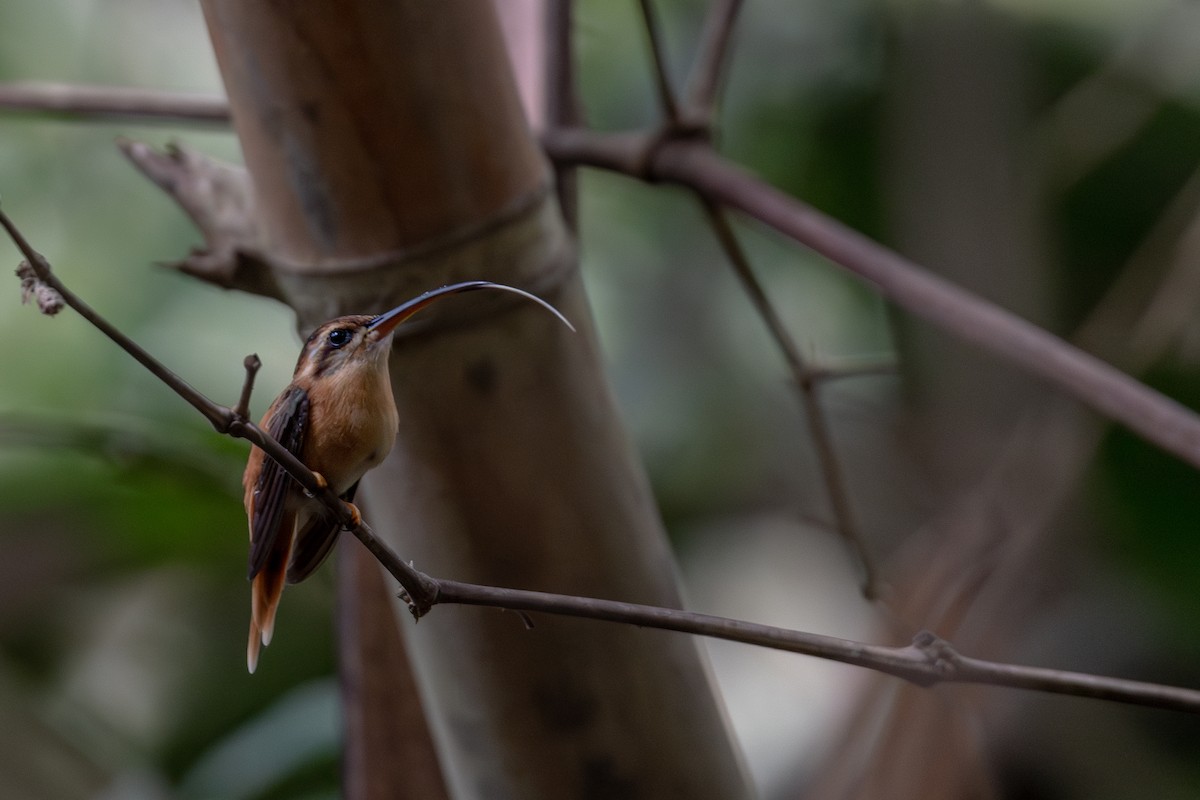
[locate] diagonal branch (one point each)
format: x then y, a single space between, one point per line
694 165
818 425
224 420
219 417
1157 418
806 383
927 661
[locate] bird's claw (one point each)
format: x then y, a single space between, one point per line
322 484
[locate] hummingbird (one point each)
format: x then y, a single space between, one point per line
339 418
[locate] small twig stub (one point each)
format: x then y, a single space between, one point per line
34 289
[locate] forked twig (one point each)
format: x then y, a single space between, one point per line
735 254
805 378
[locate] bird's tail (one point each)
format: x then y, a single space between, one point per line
264 596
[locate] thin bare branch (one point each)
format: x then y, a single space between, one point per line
219 417
658 58
226 420
825 372
692 164
835 484
252 364
704 81
563 106
689 163
116 102
818 424
927 661
562 98
383 718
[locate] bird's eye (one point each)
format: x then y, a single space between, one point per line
340 337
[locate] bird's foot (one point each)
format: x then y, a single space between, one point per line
322 484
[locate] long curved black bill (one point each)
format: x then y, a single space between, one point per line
387 322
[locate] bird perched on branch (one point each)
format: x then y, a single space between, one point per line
339 418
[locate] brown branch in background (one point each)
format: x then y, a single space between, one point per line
117 102
704 81
1106 109
1153 416
803 375
693 165
818 424
562 98
563 106
1135 340
383 729
968 572
41 269
1141 314
662 80
927 661
220 202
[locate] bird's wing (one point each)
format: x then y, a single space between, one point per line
266 503
314 540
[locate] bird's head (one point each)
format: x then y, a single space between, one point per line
361 340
